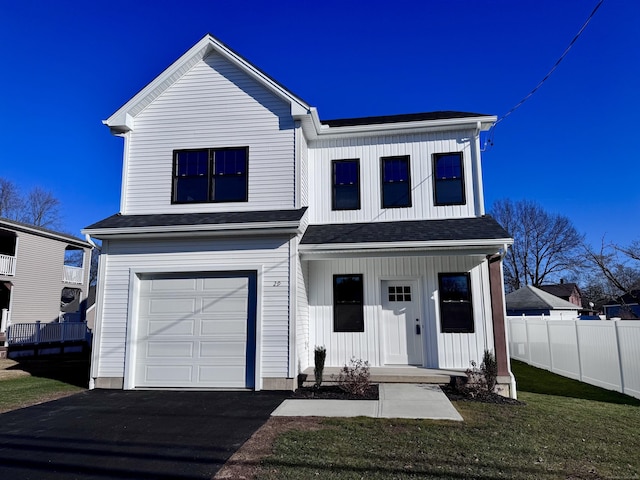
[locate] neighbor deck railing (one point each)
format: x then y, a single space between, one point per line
36 333
72 274
7 265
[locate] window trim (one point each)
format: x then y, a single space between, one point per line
382 182
335 304
463 200
210 174
471 327
333 183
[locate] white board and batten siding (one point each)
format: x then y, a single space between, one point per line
441 350
214 105
369 150
126 260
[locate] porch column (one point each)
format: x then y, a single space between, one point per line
497 309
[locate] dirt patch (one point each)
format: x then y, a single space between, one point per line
331 392
245 463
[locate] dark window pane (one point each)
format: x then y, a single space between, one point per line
348 314
392 297
346 173
407 289
229 189
192 163
191 189
395 195
448 183
456 309
407 297
346 185
231 161
396 186
346 198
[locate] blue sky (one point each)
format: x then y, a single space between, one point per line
572 147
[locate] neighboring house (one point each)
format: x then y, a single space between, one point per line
43 274
530 300
625 307
250 231
566 291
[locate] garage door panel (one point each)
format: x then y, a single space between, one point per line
171 328
169 374
169 350
193 332
228 349
235 326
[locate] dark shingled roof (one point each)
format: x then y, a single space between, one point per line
480 228
14 224
561 290
181 219
408 117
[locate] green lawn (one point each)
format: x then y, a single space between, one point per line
566 430
49 378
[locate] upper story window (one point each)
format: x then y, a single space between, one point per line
456 309
396 182
448 183
210 175
346 184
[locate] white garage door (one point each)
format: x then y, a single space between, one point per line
195 332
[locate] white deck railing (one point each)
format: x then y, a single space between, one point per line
72 274
36 333
7 265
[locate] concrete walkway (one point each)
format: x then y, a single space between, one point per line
399 400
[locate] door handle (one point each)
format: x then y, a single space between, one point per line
417 329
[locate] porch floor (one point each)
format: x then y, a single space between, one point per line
395 374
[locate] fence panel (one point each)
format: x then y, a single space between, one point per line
35 333
602 353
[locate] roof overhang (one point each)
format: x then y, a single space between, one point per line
402 249
13 226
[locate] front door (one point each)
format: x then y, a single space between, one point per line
402 326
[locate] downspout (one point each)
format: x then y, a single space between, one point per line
478 180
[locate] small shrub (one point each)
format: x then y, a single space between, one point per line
480 381
355 377
319 356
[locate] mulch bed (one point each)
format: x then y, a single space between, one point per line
333 392
454 394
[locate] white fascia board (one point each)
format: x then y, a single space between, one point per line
119 123
207 229
467 123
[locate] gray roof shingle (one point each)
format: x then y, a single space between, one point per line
182 219
479 228
406 117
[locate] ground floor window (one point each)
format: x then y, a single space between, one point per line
348 314
456 309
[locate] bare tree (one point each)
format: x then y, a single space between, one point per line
546 246
41 208
10 200
618 269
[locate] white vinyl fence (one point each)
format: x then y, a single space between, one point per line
604 353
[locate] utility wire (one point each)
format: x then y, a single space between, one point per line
489 139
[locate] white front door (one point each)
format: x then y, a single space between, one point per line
402 326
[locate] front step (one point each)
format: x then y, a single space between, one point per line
386 375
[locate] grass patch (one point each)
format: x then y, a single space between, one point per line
557 435
46 378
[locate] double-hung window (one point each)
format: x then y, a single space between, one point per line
396 182
346 184
448 179
456 309
210 175
348 313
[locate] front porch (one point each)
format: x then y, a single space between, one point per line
397 374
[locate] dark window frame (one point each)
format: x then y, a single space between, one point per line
338 321
334 184
409 202
453 307
211 175
437 181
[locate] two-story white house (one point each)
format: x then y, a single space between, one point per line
250 231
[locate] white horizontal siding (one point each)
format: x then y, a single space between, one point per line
205 255
419 147
214 105
443 350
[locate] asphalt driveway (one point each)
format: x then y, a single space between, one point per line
105 434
